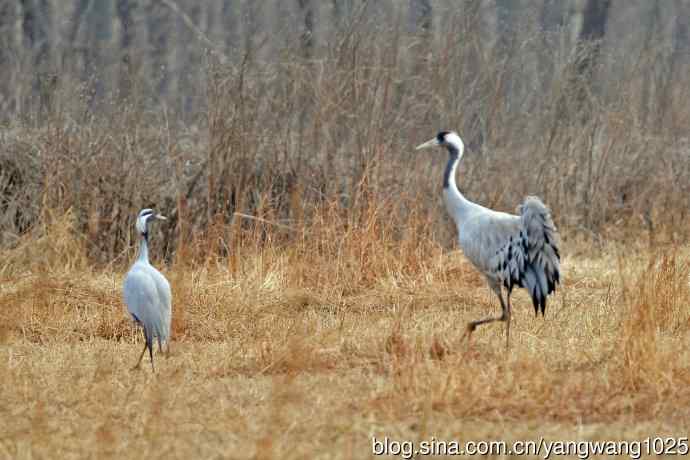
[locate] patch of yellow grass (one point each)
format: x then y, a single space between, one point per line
285 356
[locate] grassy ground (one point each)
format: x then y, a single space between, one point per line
269 360
318 300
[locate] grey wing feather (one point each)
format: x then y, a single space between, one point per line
165 297
143 301
530 257
543 254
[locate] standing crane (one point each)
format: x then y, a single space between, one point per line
147 292
509 250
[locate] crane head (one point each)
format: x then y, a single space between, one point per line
145 216
445 139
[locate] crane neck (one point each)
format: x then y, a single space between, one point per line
144 248
458 206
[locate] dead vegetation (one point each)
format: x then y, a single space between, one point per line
286 352
318 299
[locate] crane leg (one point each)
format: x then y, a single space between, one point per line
147 344
138 364
150 345
505 316
142 354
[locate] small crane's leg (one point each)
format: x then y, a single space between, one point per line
142 354
150 345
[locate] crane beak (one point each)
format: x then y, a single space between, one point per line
161 217
430 143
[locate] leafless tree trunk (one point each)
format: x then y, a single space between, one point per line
124 14
592 22
99 23
673 56
36 24
421 17
306 10
506 16
231 24
36 28
342 10
587 27
10 43
552 18
157 20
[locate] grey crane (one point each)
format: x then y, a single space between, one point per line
147 292
510 250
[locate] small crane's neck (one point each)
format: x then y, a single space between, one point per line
458 206
143 248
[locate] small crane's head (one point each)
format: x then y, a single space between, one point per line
144 218
448 139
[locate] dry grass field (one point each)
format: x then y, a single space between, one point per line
319 297
289 352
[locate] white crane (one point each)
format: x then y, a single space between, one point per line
509 250
147 292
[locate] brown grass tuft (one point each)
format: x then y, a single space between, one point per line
656 313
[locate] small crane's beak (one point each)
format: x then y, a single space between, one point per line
161 217
430 143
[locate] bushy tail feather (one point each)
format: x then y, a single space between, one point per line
532 281
542 270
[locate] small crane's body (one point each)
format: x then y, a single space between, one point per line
510 250
147 292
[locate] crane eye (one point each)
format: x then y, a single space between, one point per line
441 137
